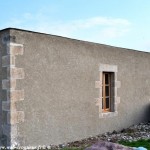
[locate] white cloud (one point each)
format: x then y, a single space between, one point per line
104 21
114 32
101 27
106 28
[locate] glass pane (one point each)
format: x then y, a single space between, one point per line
107 103
102 103
106 79
103 78
107 90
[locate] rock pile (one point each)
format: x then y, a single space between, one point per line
108 146
133 133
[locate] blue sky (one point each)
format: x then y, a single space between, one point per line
122 23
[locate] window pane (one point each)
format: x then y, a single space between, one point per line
106 79
102 103
107 103
107 90
103 79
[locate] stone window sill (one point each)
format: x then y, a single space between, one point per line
108 114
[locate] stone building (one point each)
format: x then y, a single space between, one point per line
55 89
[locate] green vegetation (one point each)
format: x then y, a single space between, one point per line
139 143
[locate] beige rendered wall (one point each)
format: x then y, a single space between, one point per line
59 88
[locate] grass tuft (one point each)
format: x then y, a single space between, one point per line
139 143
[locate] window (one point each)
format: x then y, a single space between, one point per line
106 91
108 85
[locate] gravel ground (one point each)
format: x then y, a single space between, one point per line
133 133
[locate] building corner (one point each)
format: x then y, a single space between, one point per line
11 116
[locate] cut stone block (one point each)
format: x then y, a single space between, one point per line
15 95
15 73
15 49
8 61
15 117
8 84
98 84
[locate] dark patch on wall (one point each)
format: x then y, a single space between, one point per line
8 38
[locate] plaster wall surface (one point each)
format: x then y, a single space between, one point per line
59 88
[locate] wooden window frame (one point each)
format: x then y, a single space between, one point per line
104 96
115 85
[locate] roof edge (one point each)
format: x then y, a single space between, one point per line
25 30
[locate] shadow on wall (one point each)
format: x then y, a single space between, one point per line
147 112
143 115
